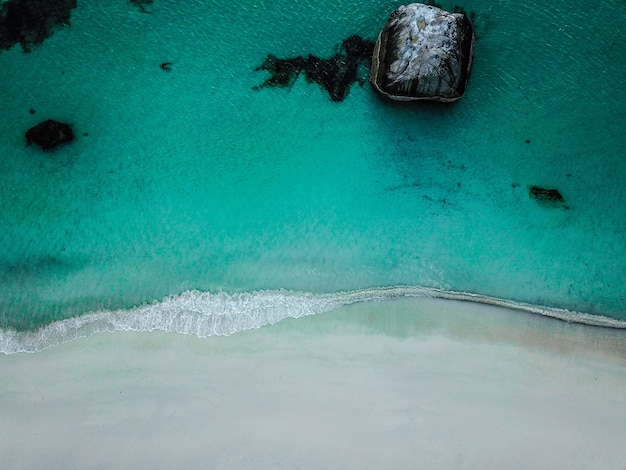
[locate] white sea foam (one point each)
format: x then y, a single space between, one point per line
219 314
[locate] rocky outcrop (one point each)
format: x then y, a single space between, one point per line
50 134
30 22
423 53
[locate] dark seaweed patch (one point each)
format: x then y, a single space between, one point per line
31 22
335 74
546 195
141 4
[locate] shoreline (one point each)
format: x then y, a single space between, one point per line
205 314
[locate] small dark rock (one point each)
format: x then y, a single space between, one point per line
32 111
50 134
546 195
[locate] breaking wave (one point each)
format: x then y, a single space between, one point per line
220 314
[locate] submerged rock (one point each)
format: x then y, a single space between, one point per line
335 75
30 22
423 53
546 195
141 4
49 134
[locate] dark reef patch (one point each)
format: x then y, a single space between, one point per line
31 22
543 194
335 74
550 196
28 269
50 134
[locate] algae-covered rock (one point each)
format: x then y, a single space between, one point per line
423 53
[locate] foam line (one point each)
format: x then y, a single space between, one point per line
218 314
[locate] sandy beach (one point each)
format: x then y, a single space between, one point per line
410 383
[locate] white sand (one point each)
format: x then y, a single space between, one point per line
412 383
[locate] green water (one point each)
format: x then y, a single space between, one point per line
193 180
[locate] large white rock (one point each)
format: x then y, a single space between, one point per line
423 53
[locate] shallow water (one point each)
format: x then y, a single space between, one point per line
190 179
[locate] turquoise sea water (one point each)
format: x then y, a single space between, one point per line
218 207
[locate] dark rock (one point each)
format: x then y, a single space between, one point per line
335 75
423 53
50 134
546 195
30 22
